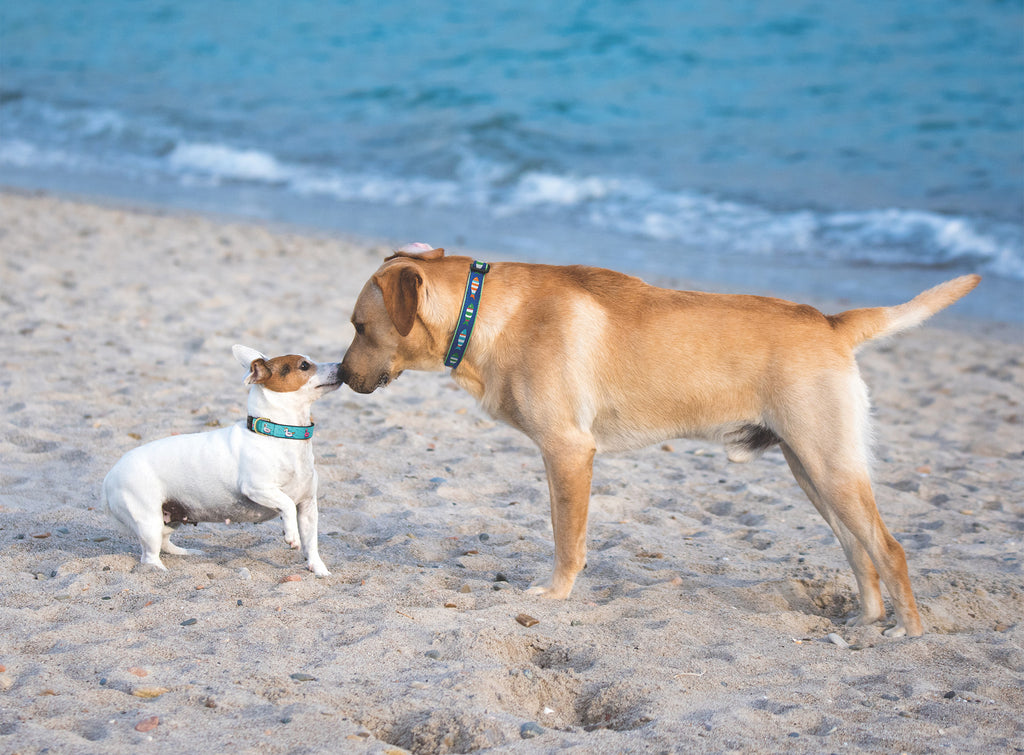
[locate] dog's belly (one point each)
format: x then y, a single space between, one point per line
241 510
743 440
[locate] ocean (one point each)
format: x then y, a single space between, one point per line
860 151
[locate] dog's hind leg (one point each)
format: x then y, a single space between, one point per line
840 488
131 511
871 607
569 465
824 440
151 536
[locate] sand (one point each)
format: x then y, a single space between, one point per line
702 622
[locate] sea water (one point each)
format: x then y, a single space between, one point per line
851 150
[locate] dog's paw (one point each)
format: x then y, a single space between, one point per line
864 619
318 569
902 630
545 590
174 550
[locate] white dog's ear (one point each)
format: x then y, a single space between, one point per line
247 357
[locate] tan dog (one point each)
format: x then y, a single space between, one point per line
585 360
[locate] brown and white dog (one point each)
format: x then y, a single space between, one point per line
251 471
584 360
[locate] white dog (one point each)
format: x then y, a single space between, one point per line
249 472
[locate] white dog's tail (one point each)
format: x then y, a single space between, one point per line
860 325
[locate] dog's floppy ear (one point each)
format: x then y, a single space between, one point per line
400 285
256 362
418 251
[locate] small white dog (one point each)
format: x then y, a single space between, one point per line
249 472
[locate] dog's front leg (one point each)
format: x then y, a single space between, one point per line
308 514
570 466
274 498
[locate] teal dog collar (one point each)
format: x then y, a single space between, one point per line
470 304
262 426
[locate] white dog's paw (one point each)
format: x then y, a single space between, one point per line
318 568
175 550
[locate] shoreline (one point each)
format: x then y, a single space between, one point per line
1004 319
703 619
831 286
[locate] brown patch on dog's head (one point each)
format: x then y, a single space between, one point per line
281 374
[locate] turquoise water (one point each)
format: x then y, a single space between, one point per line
790 145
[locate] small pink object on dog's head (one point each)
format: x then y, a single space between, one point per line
418 251
416 247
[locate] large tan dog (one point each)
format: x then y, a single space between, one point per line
585 360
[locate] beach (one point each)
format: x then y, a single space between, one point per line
710 617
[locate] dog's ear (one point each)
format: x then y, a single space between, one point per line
259 372
246 355
248 358
418 251
400 285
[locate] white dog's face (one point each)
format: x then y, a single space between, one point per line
293 373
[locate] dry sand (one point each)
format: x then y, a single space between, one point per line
701 623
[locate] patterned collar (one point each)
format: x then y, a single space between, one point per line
470 304
262 426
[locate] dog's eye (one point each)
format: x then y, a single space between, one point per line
304 366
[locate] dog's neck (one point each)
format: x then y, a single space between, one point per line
470 374
279 408
468 309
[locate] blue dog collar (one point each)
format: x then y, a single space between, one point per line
470 304
262 426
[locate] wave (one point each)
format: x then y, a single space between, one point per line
218 162
626 206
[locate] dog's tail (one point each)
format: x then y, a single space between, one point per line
860 325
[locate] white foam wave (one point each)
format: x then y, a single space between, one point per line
894 237
546 189
19 153
625 206
366 187
219 162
